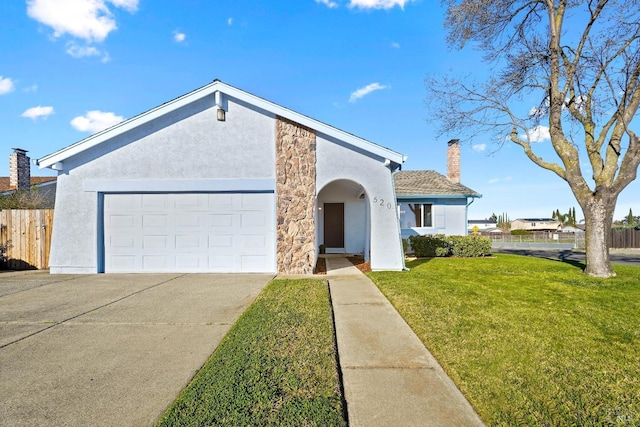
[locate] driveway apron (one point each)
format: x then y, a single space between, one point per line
109 350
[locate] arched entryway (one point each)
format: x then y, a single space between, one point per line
343 218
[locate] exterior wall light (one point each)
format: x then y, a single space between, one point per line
221 115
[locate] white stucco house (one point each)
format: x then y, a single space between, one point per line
220 180
431 203
536 224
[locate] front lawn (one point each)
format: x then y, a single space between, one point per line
529 341
276 366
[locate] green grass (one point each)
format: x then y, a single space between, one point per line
529 341
276 366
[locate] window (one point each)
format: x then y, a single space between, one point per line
415 215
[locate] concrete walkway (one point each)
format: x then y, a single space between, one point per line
389 377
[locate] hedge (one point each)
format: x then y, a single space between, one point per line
440 245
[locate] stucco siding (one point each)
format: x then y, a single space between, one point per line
449 217
355 226
337 161
190 144
355 216
73 241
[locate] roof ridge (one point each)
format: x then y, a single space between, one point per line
55 159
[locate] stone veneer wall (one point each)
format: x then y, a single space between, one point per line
295 197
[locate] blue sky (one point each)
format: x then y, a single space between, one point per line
69 68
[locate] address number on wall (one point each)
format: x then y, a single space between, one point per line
381 202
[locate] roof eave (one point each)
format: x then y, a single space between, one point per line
59 156
438 196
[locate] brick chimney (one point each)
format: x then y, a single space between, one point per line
453 161
19 170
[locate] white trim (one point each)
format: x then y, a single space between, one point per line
180 185
217 86
335 250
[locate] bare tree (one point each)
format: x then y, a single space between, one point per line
567 67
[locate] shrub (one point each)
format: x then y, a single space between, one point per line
470 246
443 246
428 246
25 199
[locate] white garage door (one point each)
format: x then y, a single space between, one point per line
222 232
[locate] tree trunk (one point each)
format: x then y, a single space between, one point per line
598 219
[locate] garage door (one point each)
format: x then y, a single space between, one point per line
178 232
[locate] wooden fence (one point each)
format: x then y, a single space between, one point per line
625 238
25 236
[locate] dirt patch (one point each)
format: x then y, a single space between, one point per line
360 263
321 266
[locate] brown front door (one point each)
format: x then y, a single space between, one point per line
334 225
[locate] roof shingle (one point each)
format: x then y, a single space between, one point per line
35 180
428 182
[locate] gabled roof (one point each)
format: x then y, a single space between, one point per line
35 180
427 183
218 89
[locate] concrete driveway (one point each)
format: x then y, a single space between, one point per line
109 350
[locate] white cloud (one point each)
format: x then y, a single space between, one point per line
81 51
330 4
95 121
90 20
479 147
363 91
179 37
36 112
579 101
538 134
86 51
32 88
395 45
230 21
130 5
493 180
6 85
378 4
537 112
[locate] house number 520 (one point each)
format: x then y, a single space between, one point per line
380 202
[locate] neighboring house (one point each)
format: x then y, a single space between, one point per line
220 180
570 229
536 224
431 203
20 179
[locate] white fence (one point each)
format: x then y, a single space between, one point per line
540 239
